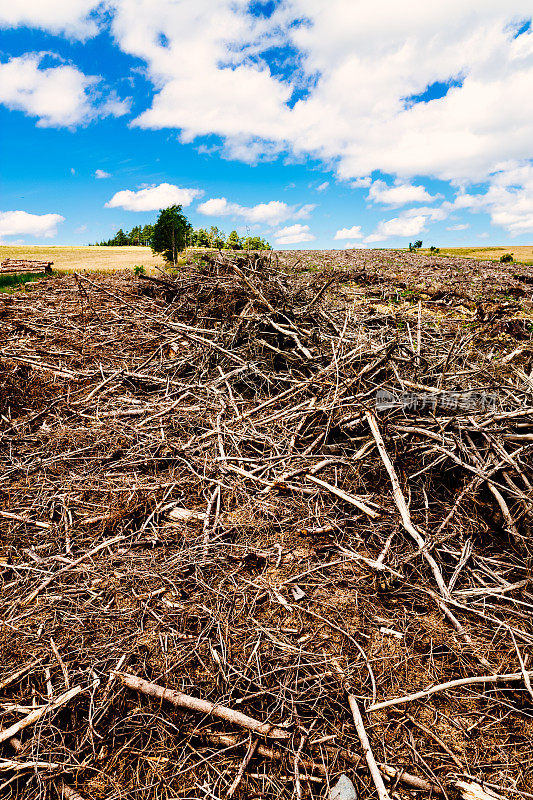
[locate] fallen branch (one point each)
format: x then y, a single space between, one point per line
399 499
19 673
348 498
36 715
27 520
9 764
392 773
229 740
181 700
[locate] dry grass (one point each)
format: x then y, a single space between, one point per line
86 259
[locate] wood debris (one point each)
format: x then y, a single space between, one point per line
221 487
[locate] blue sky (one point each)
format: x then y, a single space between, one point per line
315 124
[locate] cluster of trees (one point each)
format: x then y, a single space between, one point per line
216 238
173 232
139 235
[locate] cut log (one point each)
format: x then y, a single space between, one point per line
17 266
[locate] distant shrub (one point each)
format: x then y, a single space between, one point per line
434 249
139 269
507 258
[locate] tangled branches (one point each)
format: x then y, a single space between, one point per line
241 488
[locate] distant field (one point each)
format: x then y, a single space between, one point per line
74 259
521 254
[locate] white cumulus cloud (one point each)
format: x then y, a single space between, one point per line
322 187
398 195
401 226
304 211
409 90
293 234
271 213
100 174
72 17
16 223
153 198
410 223
508 199
59 96
349 233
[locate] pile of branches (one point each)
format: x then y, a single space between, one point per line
255 538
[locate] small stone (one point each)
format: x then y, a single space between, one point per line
343 790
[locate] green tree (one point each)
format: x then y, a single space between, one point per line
170 233
200 238
233 242
146 235
217 238
120 239
134 235
255 243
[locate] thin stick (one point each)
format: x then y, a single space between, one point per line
527 679
181 700
402 505
229 739
354 501
461 631
436 738
363 738
442 687
214 498
19 766
61 663
51 578
252 747
13 677
303 740
36 715
391 773
18 518
65 791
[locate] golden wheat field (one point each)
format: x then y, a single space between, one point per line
87 259
521 254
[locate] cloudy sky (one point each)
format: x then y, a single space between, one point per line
318 123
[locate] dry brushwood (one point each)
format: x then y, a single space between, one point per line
201 497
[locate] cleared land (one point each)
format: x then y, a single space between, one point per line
200 490
86 259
